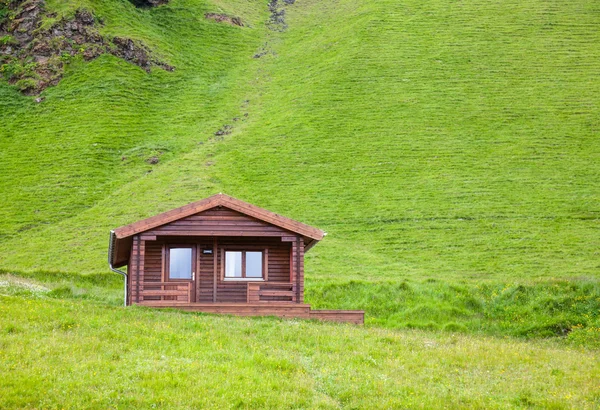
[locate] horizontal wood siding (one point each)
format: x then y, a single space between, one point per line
278 267
219 222
204 281
152 265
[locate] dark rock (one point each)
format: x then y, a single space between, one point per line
148 3
224 130
84 17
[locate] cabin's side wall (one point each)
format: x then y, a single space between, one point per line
300 283
135 270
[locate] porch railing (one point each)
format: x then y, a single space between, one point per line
269 292
167 291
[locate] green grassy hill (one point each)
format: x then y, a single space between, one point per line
441 142
449 149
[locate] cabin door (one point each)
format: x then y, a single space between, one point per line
182 268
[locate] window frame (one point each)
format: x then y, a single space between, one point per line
167 262
265 264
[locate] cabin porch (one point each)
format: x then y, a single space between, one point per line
180 296
284 309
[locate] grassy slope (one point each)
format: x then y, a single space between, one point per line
453 141
94 132
433 142
449 149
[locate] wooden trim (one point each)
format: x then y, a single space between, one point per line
252 292
301 270
292 263
141 265
137 265
197 274
194 267
266 264
298 271
228 233
243 265
222 263
215 269
243 250
148 237
176 290
281 309
233 247
128 296
163 268
211 202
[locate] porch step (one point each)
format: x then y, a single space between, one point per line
281 309
349 316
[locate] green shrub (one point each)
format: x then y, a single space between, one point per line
62 292
6 39
585 336
3 13
26 84
454 327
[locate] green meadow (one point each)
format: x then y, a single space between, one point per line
449 149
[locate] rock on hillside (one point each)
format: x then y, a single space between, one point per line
34 58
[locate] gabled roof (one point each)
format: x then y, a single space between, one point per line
219 200
120 239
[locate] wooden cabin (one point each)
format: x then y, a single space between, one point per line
219 255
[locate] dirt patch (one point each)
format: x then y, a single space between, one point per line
33 58
148 3
277 18
224 130
224 18
264 50
153 160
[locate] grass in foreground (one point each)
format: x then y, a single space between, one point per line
77 354
564 311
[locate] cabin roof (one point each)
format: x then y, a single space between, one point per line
125 233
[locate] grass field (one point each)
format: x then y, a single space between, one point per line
449 149
64 353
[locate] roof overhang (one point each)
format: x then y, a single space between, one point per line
121 239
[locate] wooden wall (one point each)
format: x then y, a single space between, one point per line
226 291
216 229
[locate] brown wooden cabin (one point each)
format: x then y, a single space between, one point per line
219 255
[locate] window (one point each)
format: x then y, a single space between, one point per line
180 263
233 264
244 265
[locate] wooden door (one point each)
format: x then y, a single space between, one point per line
182 267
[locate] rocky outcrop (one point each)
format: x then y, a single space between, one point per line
34 58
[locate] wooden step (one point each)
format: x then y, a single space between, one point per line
280 309
349 316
